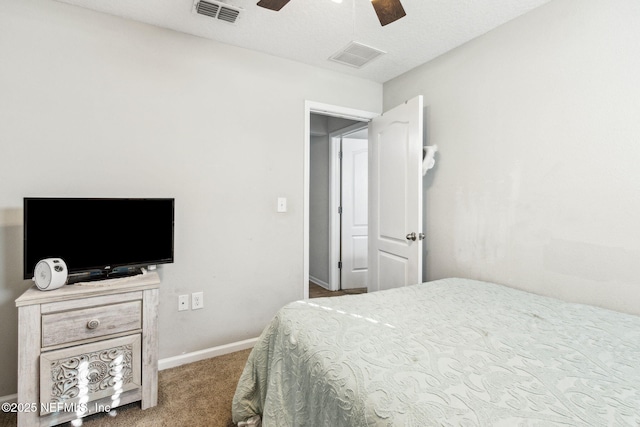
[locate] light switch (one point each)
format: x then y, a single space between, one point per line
282 204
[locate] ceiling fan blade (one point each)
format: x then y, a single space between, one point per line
388 11
273 4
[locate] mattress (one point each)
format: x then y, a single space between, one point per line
452 352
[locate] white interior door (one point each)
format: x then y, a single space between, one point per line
355 164
395 197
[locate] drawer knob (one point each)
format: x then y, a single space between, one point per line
93 323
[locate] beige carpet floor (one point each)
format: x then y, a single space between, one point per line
197 394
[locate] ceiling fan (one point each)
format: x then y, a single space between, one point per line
388 11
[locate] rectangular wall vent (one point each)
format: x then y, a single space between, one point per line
356 55
217 10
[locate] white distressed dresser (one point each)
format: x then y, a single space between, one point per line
86 348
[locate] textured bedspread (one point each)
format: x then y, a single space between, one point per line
451 352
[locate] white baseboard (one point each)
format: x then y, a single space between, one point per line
320 283
12 398
183 359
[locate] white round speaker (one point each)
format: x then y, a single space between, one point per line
50 273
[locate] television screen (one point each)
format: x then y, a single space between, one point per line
97 234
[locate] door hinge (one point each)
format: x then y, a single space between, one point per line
339 210
339 264
340 155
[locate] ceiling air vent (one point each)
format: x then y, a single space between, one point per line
217 10
356 55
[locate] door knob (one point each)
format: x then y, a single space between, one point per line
412 236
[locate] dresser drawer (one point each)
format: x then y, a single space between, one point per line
84 373
70 326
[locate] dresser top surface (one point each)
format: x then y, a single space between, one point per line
33 295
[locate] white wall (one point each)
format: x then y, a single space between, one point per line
319 208
94 105
538 175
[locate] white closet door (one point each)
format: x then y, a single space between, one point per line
355 165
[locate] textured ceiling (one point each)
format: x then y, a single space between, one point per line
310 31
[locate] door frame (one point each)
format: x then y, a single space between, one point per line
334 200
327 110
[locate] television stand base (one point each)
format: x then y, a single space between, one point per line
116 273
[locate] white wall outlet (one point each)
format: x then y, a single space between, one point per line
282 204
197 300
183 302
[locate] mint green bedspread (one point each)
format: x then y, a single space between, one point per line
452 352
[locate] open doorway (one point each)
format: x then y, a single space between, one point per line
331 132
397 164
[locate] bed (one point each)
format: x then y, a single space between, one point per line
452 352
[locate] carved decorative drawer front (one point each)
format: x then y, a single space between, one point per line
70 326
76 376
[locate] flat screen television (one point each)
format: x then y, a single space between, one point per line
98 237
